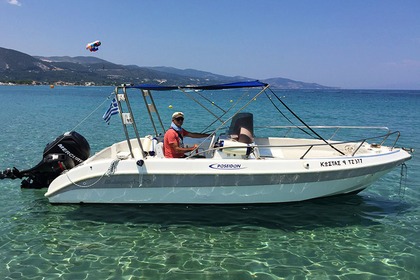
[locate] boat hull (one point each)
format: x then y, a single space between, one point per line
177 181
244 194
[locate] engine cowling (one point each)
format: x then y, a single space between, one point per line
65 152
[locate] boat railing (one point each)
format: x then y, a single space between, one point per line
361 142
333 144
335 129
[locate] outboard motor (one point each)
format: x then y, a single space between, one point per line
64 153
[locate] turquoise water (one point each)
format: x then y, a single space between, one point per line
372 235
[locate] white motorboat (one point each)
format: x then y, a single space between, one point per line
236 164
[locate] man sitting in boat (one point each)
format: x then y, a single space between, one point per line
173 146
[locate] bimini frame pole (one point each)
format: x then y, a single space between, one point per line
122 119
149 93
307 126
240 109
134 126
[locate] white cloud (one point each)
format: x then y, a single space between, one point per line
14 2
405 63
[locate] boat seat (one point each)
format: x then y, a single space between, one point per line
159 150
242 128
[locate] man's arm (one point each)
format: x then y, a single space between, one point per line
197 135
178 149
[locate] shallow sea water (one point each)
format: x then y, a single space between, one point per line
372 235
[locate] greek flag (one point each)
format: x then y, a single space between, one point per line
112 110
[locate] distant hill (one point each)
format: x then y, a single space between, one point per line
18 67
291 84
14 61
196 73
77 59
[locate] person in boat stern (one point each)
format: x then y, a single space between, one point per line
173 141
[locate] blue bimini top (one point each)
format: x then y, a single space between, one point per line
248 84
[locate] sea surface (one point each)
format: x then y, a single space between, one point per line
372 235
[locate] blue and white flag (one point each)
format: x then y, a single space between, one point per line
112 110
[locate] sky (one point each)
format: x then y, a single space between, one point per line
357 44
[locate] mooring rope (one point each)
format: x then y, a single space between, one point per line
403 180
91 113
111 170
88 116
